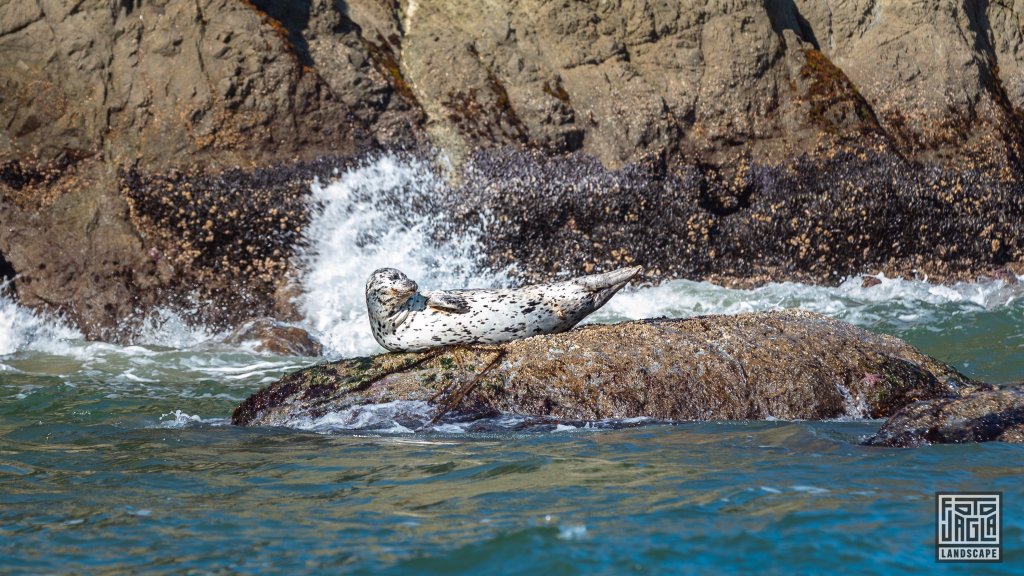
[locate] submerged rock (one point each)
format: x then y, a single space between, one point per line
981 416
786 364
276 337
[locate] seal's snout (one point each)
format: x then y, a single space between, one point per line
406 286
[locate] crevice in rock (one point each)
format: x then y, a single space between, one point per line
384 58
784 15
988 69
345 24
290 19
7 272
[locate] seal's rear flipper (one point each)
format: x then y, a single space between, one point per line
615 279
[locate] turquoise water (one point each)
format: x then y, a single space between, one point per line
120 459
692 498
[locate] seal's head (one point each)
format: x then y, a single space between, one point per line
387 290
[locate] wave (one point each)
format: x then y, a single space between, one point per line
408 416
893 301
22 328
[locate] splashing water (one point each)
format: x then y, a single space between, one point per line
168 328
21 328
377 216
894 301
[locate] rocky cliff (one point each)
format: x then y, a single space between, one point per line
157 152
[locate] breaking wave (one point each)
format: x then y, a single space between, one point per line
25 329
892 302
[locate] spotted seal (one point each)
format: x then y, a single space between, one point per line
402 319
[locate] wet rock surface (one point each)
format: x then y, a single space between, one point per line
737 141
980 416
272 336
787 364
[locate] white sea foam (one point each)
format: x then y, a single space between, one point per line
398 417
179 419
894 300
810 489
168 328
572 532
24 329
409 416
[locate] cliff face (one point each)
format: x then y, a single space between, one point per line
134 133
713 80
231 82
171 83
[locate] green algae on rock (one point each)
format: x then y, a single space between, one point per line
784 364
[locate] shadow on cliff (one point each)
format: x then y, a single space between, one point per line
784 15
6 270
294 16
1012 132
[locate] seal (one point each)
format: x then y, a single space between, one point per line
402 319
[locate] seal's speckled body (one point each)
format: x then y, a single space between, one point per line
402 319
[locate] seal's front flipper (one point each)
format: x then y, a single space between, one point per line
448 302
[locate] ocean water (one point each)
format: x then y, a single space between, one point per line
120 459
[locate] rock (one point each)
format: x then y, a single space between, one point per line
162 84
870 281
625 79
970 94
787 364
228 82
617 80
276 337
223 239
983 415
